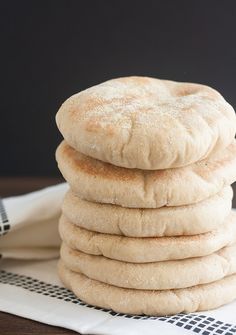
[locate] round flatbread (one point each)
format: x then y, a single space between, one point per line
147 123
97 181
148 249
198 218
153 276
157 303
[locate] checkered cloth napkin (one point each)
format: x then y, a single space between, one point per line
29 286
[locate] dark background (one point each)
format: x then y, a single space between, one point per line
52 49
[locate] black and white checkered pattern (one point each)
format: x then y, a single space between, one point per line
4 222
196 323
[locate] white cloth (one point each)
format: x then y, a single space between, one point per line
31 220
29 287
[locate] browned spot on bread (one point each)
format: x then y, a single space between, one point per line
93 166
186 90
82 106
95 126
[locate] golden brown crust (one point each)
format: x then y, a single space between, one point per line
85 164
97 181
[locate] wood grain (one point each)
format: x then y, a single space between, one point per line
18 185
15 325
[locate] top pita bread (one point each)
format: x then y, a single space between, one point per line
147 123
97 181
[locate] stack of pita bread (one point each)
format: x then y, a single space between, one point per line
147 225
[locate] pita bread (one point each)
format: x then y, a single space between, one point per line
147 123
152 276
194 219
131 301
97 181
148 249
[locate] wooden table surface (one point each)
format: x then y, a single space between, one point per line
11 324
